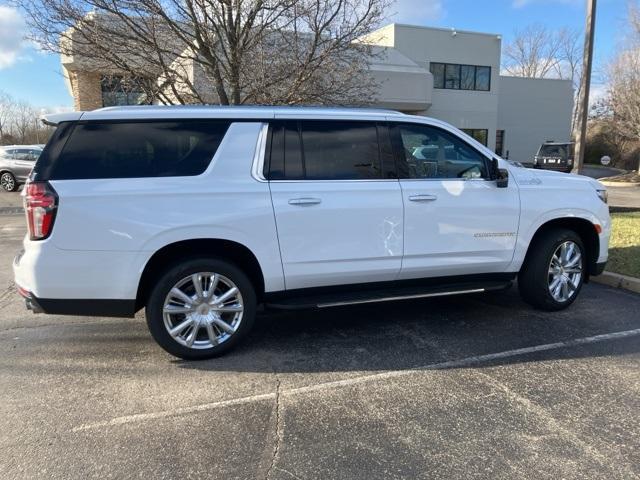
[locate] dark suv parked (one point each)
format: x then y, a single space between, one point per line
555 156
16 162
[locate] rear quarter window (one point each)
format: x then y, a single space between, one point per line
118 149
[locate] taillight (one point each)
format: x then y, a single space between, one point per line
40 205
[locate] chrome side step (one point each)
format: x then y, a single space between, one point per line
400 297
378 293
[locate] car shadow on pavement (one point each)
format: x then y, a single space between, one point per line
425 333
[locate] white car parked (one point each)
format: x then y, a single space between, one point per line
200 214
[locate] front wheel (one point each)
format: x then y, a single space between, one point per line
553 272
201 308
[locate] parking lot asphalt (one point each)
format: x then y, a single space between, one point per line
478 386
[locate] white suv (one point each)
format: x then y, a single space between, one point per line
200 214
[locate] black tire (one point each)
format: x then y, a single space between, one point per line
174 274
533 279
8 182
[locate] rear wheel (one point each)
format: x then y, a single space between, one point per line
8 182
554 270
201 308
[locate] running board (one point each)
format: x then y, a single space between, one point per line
300 300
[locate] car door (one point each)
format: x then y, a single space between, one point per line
457 221
23 161
339 220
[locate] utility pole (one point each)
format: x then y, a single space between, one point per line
585 84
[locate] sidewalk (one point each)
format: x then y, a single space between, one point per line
626 197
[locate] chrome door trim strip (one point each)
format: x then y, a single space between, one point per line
402 297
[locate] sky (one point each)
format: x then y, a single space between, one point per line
26 73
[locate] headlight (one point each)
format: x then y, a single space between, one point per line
604 196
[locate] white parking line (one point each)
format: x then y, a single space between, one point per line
464 362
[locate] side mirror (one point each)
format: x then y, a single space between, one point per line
500 175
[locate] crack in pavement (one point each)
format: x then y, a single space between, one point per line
348 382
278 431
553 424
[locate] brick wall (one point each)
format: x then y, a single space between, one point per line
87 94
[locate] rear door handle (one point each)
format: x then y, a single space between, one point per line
423 198
305 201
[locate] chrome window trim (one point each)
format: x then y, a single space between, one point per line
446 180
257 167
302 180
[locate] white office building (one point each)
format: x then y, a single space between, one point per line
448 74
454 76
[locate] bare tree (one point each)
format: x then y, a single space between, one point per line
533 52
7 109
24 119
219 51
623 96
19 122
538 52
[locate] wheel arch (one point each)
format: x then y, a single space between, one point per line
182 250
584 228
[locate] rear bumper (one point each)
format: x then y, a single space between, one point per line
65 283
80 307
49 272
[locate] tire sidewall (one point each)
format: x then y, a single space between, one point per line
534 282
155 305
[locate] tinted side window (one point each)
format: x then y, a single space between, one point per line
286 152
428 152
138 149
24 154
51 152
337 150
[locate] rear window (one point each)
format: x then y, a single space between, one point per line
131 149
554 151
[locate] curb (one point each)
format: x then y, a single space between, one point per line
617 280
619 184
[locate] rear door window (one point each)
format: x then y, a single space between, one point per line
329 150
24 154
137 149
553 151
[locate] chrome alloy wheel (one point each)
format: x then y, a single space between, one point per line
7 182
203 310
565 271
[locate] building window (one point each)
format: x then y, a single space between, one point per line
118 90
437 69
452 76
479 134
499 142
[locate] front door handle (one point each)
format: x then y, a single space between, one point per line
305 201
423 198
